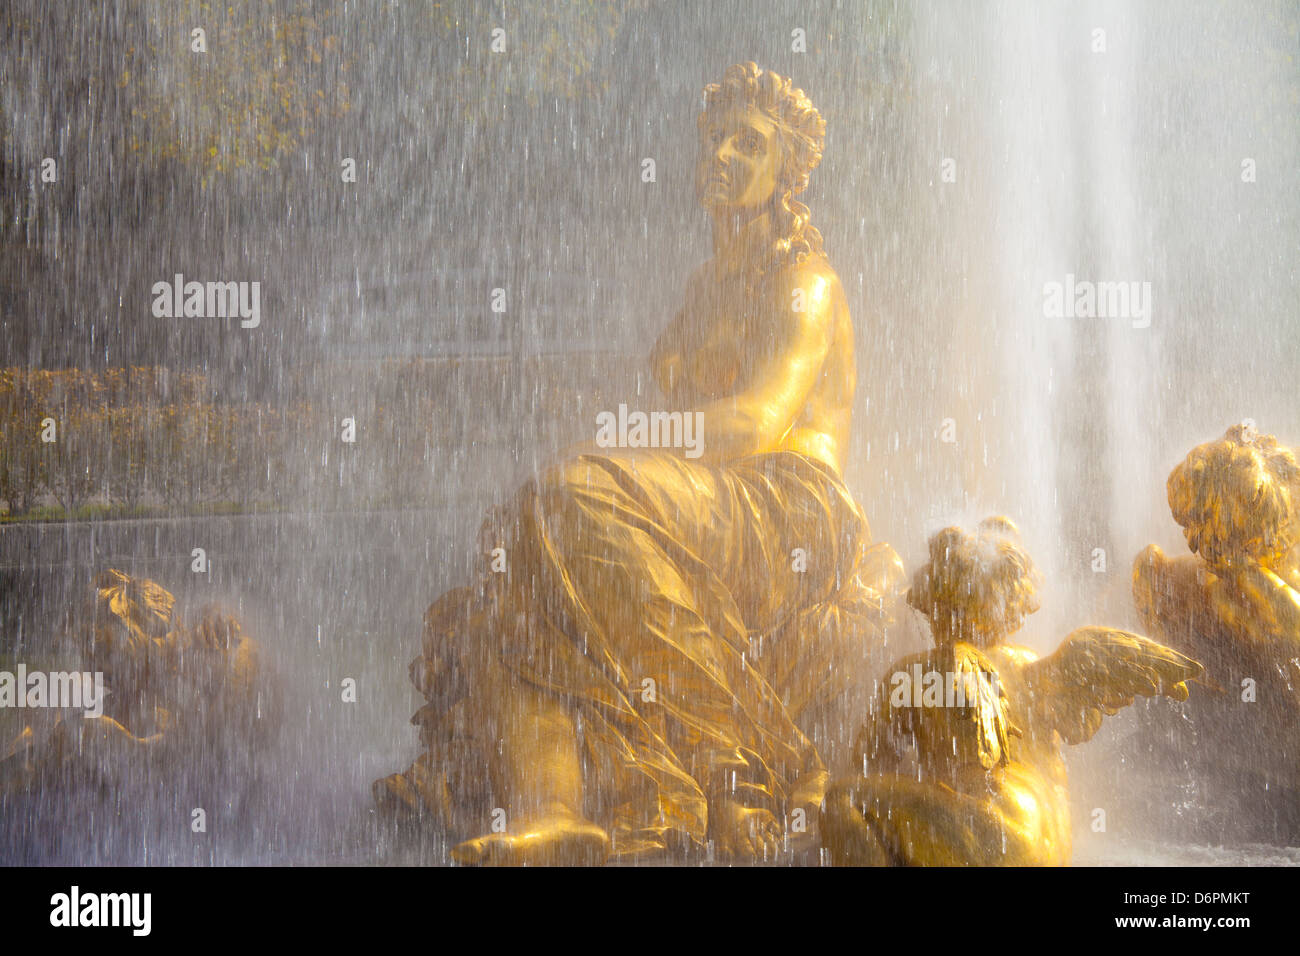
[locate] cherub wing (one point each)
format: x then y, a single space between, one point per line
959 714
1097 671
985 718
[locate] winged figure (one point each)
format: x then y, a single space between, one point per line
962 761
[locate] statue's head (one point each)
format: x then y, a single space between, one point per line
132 623
1236 498
760 139
977 588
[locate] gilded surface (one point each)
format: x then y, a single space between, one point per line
176 694
968 770
1234 602
646 673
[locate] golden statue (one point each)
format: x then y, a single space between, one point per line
962 759
672 625
176 696
1234 603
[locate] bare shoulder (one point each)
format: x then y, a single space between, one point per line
812 271
810 288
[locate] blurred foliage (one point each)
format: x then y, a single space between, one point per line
551 51
128 437
146 441
272 73
276 73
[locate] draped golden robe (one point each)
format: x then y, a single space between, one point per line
664 602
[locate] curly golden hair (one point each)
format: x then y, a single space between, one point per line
802 135
976 588
129 613
1236 498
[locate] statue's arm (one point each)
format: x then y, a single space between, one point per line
794 345
1258 604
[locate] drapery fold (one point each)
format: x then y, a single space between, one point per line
688 616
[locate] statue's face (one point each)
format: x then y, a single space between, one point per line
740 158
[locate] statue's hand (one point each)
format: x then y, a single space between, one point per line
745 832
1258 605
217 630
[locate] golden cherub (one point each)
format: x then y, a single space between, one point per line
1234 602
1236 598
967 770
181 697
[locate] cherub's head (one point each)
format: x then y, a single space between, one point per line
976 588
132 621
1237 498
760 139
